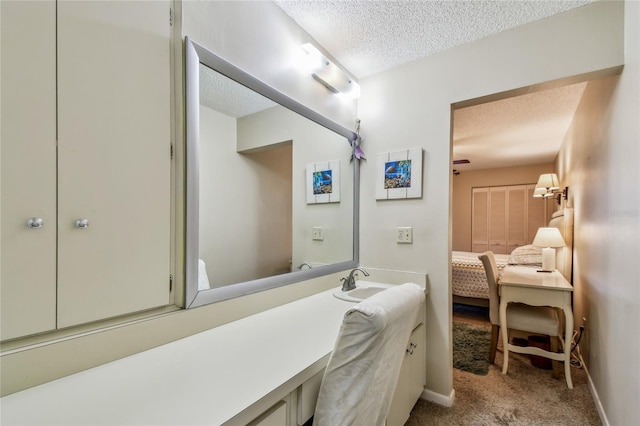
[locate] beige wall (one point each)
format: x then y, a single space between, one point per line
464 183
411 105
600 162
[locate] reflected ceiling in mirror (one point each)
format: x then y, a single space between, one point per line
249 226
224 95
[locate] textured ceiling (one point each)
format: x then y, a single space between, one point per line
527 129
371 36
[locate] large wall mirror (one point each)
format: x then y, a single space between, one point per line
271 192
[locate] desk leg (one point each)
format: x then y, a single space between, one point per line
505 335
568 337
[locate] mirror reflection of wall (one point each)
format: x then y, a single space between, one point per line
254 221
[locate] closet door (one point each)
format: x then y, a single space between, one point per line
28 168
113 158
517 217
497 219
480 220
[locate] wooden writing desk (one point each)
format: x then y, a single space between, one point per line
526 285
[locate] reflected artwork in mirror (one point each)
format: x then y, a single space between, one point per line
250 149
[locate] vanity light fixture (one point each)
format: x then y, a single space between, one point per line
548 186
329 74
549 239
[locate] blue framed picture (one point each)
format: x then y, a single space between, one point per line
323 182
399 174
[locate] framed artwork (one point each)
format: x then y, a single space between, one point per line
399 174
323 182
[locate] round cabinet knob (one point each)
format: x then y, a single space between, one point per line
82 223
35 222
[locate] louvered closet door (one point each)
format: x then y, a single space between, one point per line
28 180
517 217
114 163
480 220
497 219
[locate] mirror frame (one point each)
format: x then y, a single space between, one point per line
194 55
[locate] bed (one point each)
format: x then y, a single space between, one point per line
468 278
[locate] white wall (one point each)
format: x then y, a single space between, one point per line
245 205
411 106
600 162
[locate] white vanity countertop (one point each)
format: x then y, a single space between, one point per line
206 378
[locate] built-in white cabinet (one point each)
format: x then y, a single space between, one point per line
505 217
86 162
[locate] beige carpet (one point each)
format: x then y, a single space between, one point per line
525 396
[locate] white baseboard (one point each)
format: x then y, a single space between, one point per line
594 395
437 398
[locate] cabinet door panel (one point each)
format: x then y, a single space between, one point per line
480 220
411 381
28 168
113 160
497 220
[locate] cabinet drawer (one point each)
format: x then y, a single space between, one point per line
275 416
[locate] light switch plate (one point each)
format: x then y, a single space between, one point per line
404 235
318 233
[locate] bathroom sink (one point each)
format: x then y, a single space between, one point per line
363 290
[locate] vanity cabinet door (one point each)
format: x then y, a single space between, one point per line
113 158
412 379
28 168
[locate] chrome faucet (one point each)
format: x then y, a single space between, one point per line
305 264
349 283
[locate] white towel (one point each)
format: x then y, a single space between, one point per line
203 278
361 376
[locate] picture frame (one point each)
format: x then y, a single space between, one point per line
323 182
399 174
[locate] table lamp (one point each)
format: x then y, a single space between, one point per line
549 239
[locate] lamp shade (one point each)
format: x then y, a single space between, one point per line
548 237
548 181
542 193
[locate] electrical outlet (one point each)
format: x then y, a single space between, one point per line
317 233
404 235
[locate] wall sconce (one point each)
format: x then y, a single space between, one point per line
548 186
328 74
548 238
